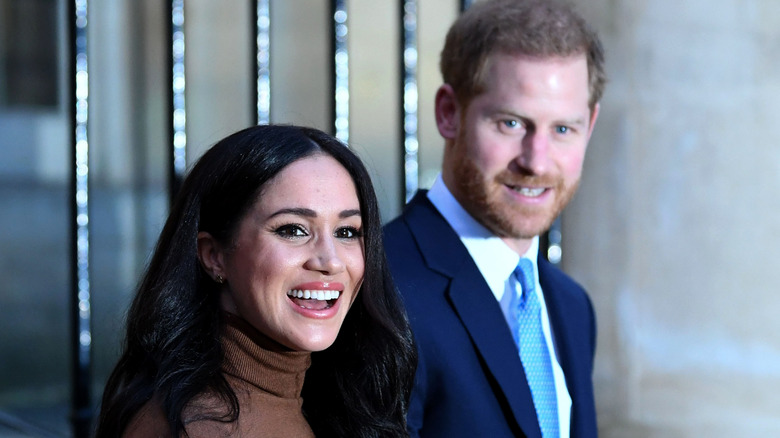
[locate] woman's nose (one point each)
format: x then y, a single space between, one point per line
325 257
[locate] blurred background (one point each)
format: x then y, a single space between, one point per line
674 231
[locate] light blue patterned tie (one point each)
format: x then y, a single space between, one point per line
534 353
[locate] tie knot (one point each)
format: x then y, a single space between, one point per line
524 272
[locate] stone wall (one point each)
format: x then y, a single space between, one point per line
674 230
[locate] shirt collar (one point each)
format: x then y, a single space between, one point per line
494 259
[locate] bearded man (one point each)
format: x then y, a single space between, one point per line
506 340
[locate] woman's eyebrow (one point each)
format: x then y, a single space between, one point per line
307 212
297 211
349 213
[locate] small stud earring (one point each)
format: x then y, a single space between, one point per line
220 280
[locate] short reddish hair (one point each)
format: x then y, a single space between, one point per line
535 28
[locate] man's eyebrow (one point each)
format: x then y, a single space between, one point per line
578 121
497 110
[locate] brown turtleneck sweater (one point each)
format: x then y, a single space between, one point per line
267 379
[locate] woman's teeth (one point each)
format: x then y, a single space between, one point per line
322 295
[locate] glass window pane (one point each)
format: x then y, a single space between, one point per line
34 220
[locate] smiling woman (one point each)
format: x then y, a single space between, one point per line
267 308
298 245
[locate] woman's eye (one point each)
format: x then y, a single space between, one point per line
511 123
562 129
348 233
291 230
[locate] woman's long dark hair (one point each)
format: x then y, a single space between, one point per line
359 387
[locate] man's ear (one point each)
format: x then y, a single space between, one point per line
447 112
211 256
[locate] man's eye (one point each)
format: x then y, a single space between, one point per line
348 233
511 123
291 230
562 129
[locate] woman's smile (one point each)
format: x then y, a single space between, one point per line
316 296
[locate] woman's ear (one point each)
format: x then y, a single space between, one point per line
211 256
447 112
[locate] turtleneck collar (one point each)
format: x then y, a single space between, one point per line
255 358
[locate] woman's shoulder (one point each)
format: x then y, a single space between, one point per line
202 418
148 422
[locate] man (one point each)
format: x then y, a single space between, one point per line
506 340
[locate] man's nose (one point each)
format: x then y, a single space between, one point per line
533 158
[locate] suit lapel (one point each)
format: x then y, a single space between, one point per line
482 317
475 306
558 322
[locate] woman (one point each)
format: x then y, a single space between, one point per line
268 283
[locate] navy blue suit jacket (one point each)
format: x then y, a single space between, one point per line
470 381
